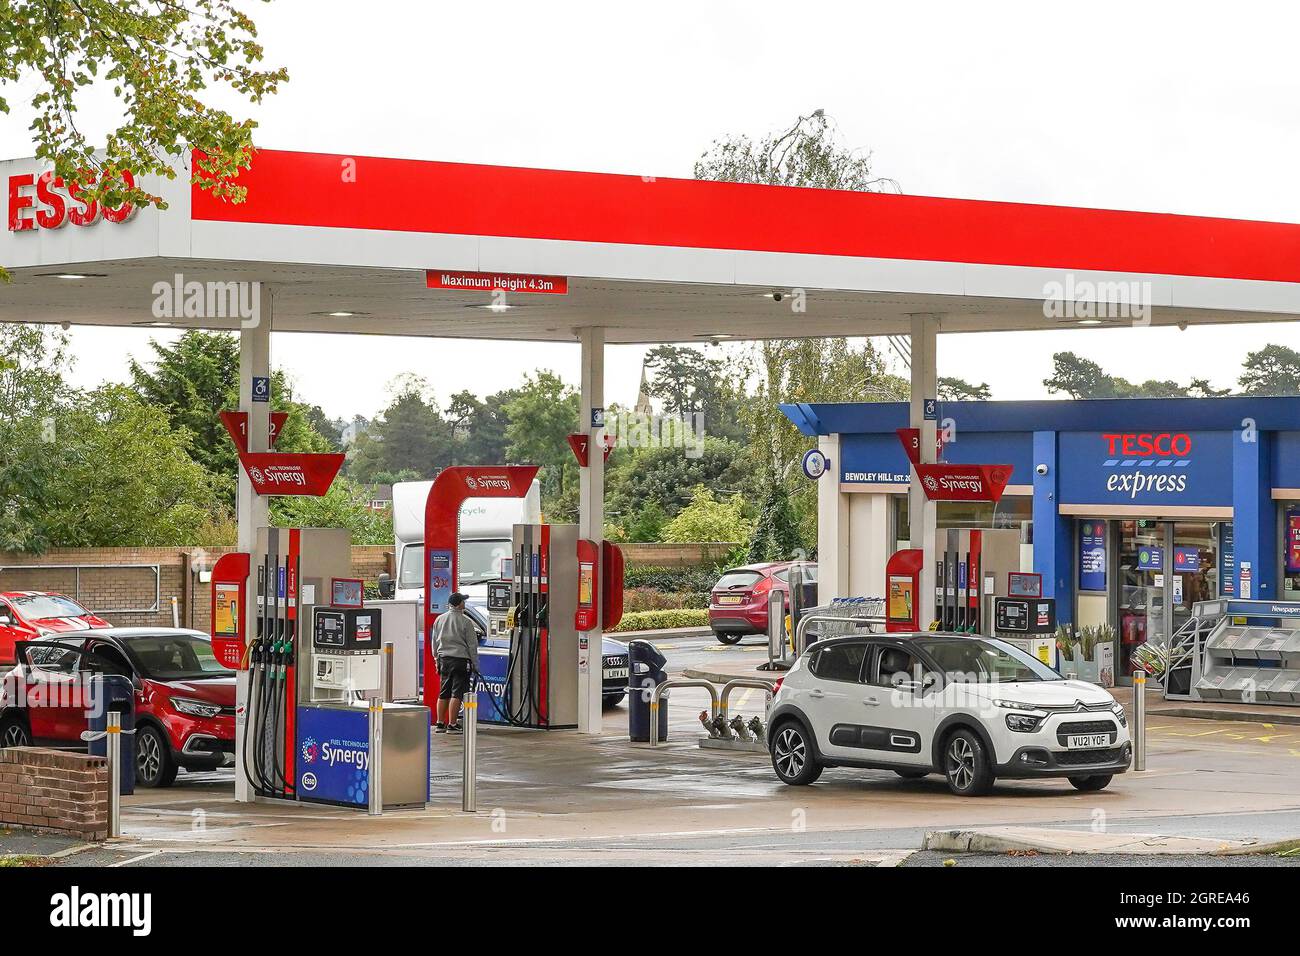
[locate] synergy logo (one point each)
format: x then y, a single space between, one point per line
488 482
309 750
1147 461
355 756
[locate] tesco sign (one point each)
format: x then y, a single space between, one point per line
1149 444
45 201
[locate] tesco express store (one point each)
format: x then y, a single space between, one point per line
1125 507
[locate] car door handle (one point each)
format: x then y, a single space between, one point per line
871 702
816 694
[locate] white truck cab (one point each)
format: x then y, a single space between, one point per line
486 527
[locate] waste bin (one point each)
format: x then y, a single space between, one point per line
113 692
645 671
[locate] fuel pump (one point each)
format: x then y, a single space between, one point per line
534 681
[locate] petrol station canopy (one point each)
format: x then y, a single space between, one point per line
345 242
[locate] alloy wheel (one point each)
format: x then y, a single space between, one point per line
148 759
791 752
14 736
961 763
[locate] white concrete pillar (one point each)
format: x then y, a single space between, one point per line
833 540
251 509
921 511
591 516
254 362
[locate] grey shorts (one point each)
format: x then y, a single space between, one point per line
453 675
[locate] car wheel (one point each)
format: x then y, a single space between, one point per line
792 755
966 764
154 764
610 702
1093 783
912 774
14 733
726 638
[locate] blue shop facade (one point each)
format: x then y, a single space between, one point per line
1131 510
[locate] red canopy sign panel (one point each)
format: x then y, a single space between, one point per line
944 482
277 473
237 425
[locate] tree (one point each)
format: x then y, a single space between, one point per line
666 478
708 519
345 505
689 382
1273 370
409 435
479 427
33 360
1079 377
123 476
157 58
194 379
541 415
960 390
776 534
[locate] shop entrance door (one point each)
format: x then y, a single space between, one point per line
1165 567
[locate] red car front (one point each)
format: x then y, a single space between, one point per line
27 615
184 698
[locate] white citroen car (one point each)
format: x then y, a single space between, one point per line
970 708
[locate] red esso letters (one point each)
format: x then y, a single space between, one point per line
46 202
1149 444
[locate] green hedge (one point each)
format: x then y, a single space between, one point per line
657 620
672 580
652 599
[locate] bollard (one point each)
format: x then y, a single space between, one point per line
1140 720
388 671
376 784
469 796
114 731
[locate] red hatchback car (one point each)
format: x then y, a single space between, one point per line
27 615
184 697
738 603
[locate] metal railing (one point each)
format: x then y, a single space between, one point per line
801 632
657 693
757 683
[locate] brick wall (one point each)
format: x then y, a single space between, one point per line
112 580
699 554
53 791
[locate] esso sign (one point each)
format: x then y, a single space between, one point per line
45 202
1149 444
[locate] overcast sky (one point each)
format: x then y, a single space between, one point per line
1170 107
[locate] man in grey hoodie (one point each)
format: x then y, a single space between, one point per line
455 643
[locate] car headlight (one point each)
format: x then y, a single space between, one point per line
195 708
1013 705
1118 710
1023 723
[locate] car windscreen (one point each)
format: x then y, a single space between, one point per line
736 580
35 606
478 561
968 660
176 657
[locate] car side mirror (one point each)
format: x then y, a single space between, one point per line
5 619
386 586
929 680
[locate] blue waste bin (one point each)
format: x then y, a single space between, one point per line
645 671
113 692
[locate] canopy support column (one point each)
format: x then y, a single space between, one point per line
591 518
921 511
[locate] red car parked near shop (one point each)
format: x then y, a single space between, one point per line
184 697
738 602
27 615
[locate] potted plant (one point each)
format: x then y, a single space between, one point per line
1066 646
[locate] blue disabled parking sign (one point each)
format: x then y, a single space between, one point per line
261 388
930 409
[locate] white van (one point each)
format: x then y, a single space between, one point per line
486 530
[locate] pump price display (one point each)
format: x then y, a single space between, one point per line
496 282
